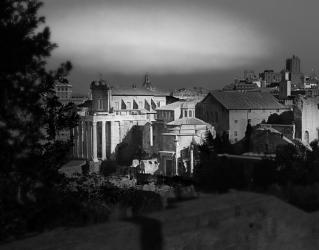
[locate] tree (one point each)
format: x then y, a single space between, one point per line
285 118
29 161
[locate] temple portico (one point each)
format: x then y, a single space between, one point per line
97 136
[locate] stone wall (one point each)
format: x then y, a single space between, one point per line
306 112
238 120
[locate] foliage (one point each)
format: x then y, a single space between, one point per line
30 116
108 167
80 201
285 118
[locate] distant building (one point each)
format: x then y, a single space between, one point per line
293 64
306 114
241 86
173 135
269 77
63 90
296 76
78 99
250 76
113 122
230 112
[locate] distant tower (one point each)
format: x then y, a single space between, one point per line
293 64
147 82
285 85
101 96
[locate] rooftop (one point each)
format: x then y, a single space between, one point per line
138 91
247 100
188 121
171 106
178 104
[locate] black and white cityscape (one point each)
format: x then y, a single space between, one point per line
143 124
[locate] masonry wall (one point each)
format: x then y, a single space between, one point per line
238 120
142 102
310 119
211 111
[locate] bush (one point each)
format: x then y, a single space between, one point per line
80 201
108 167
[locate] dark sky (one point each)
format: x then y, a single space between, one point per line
181 43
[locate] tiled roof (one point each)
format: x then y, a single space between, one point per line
137 92
178 104
171 106
247 100
188 121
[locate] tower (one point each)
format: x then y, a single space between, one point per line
285 86
147 82
101 96
293 66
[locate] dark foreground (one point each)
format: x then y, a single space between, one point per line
237 220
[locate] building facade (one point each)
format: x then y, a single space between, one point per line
63 90
230 112
296 76
306 114
175 132
113 124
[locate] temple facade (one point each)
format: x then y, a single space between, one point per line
112 123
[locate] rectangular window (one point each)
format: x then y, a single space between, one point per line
158 104
128 105
117 105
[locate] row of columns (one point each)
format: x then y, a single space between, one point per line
85 141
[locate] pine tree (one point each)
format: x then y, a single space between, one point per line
28 159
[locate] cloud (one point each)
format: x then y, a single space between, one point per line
159 38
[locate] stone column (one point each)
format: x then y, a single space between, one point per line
94 142
112 137
89 140
84 140
80 141
176 155
192 159
151 135
74 142
103 141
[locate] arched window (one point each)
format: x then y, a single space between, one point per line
190 113
185 113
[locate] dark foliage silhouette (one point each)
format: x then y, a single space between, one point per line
30 115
